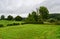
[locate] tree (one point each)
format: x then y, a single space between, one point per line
39 21
43 12
10 17
2 17
18 18
34 18
28 19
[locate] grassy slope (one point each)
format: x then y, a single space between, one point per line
30 31
5 22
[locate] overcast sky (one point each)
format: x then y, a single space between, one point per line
18 7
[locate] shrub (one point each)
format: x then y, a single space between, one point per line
13 24
1 25
57 23
23 23
40 21
52 20
16 24
36 22
9 24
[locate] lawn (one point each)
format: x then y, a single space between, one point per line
30 31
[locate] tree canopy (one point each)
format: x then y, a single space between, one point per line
43 12
2 17
18 18
10 17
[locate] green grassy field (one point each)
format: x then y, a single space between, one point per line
5 22
29 31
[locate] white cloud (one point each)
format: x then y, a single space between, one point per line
18 6
32 2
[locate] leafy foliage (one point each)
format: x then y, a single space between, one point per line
1 25
55 16
10 17
2 17
52 20
43 12
33 18
13 24
18 18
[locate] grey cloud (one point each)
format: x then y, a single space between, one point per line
52 5
18 7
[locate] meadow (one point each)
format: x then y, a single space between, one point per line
29 31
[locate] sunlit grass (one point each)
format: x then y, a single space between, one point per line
30 31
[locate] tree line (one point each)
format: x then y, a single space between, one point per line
17 18
42 15
38 17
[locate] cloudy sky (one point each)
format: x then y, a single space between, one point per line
13 4
18 7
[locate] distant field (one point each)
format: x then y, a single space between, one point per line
5 22
29 31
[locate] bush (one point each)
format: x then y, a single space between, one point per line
1 25
16 24
23 23
13 24
9 24
52 20
36 22
57 23
40 21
